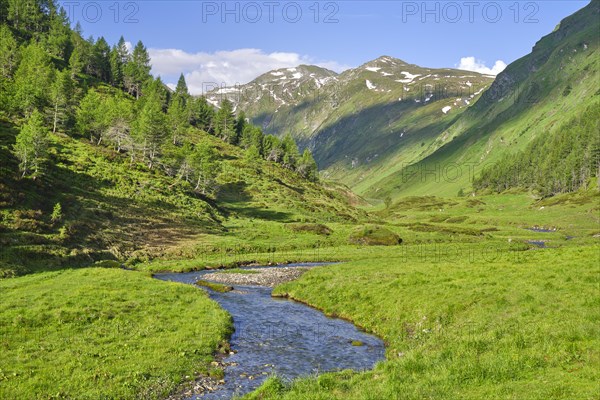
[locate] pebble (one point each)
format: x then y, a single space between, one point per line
269 277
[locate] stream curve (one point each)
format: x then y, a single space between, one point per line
282 337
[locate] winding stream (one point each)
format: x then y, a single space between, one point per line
283 337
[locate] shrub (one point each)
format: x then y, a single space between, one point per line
217 287
374 235
318 229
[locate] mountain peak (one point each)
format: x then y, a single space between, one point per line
384 61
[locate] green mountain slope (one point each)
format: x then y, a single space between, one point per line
536 95
112 209
363 122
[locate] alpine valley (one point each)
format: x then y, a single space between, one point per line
453 215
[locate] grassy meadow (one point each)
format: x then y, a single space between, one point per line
98 333
467 306
520 328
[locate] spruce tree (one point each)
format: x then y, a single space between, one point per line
119 56
101 67
137 70
225 122
59 36
201 114
181 90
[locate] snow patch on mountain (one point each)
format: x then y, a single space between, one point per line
225 90
373 69
213 102
446 109
370 86
408 75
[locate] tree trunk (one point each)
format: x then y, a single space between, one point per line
55 117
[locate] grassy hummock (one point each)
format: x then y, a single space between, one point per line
217 287
374 235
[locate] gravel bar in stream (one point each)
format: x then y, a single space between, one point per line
269 277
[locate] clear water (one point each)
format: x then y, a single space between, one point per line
283 337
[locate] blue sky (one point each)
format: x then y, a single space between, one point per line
206 39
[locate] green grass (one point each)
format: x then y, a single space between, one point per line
217 287
103 334
517 328
513 297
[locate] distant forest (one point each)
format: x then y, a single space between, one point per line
553 163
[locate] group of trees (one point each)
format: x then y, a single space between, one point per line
564 161
237 131
54 80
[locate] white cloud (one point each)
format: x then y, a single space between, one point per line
203 71
471 64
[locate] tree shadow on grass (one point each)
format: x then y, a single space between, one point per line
239 201
264 214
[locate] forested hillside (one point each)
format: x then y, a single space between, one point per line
99 159
552 164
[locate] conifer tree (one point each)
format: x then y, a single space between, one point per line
137 70
100 66
9 52
59 35
119 56
61 95
32 79
151 129
181 90
204 163
201 114
307 167
31 146
225 122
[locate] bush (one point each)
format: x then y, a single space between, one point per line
29 221
318 229
374 235
217 287
107 264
